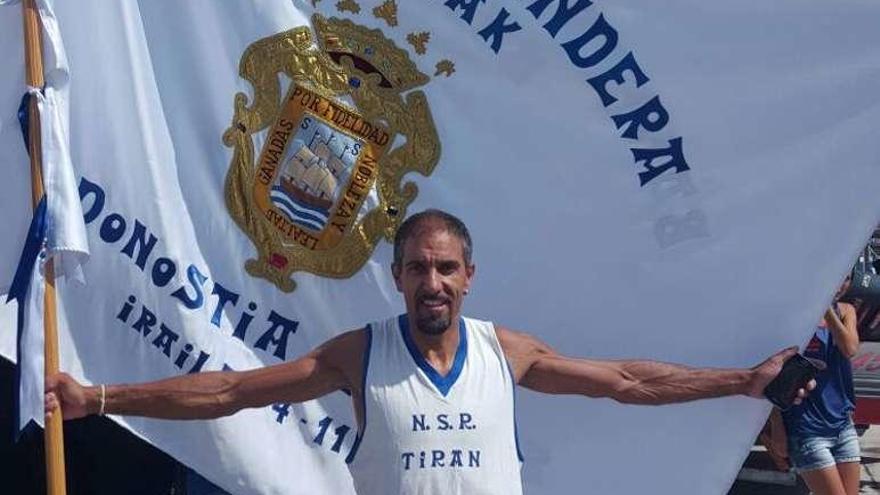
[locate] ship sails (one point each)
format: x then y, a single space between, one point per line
307 184
307 175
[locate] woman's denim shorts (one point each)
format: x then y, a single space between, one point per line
808 453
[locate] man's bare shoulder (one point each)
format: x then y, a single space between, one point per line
515 341
344 347
345 352
521 349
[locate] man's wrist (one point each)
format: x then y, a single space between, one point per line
750 384
94 400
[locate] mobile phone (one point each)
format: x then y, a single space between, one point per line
796 372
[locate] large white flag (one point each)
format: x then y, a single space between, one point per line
669 180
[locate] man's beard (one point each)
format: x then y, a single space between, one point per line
433 325
429 322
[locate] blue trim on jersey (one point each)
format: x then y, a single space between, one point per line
443 383
519 453
363 428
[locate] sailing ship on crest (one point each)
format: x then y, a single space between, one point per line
307 185
311 179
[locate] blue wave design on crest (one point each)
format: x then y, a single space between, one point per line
299 213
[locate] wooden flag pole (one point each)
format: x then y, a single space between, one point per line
54 432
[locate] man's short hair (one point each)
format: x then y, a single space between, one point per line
453 225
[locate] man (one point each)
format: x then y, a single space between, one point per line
432 391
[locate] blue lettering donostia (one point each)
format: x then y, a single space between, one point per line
640 117
140 246
189 288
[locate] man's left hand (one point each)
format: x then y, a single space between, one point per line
765 372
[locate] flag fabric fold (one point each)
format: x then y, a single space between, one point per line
66 239
28 290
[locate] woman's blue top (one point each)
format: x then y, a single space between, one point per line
827 410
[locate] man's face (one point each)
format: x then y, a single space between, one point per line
433 278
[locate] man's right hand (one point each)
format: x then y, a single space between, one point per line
74 400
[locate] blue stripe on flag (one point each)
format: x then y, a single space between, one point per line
32 245
23 119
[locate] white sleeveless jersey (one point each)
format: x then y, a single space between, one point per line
427 434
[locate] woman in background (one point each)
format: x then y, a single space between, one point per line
821 439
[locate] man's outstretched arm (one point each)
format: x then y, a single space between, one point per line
538 367
327 368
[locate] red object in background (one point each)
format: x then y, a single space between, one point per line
867 411
866 378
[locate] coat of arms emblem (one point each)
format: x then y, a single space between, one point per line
326 184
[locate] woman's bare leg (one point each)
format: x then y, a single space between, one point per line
825 481
850 474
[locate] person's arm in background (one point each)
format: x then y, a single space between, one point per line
844 329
